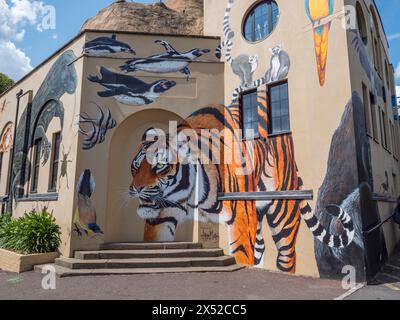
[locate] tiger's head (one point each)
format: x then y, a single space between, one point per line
159 183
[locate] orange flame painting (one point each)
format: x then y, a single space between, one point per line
317 10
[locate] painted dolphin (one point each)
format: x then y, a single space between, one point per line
130 90
106 46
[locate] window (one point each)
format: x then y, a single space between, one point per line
387 74
377 43
367 111
373 116
1 163
261 21
249 107
8 175
55 161
36 165
279 108
362 26
382 118
393 140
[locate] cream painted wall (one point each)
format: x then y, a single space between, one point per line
383 159
315 111
116 212
62 208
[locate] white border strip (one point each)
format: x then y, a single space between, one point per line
351 291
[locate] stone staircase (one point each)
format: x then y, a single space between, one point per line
145 258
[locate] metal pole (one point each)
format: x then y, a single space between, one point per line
10 182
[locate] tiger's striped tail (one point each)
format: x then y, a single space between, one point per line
259 247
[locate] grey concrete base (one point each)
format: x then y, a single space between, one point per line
151 246
144 263
63 272
134 254
142 258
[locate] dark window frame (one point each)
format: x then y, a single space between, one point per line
361 23
36 165
251 15
254 110
271 131
1 165
55 162
9 172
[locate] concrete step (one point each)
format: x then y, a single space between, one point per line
66 272
72 263
151 246
156 253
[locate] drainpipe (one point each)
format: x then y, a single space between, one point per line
19 95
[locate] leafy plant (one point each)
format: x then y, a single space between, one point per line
35 232
4 219
5 83
8 233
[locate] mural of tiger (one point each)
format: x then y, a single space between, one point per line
169 194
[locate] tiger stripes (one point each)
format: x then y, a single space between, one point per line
283 216
273 165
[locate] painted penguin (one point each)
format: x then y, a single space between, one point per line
85 216
171 61
106 46
130 90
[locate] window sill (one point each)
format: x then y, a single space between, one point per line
33 197
284 133
251 139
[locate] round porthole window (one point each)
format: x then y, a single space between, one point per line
261 20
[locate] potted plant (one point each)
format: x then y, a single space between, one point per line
27 241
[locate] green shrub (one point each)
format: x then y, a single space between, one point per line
4 219
35 232
8 233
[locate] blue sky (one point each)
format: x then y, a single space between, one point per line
29 47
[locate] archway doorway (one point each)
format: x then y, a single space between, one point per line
122 222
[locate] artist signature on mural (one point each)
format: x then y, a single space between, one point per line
208 235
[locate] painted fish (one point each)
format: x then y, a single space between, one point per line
100 126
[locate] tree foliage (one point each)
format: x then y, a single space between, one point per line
5 82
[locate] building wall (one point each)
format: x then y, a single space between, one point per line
57 80
326 168
323 114
379 81
116 210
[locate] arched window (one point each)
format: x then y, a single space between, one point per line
376 42
361 23
6 138
261 21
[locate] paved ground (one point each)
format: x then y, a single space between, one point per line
245 284
252 284
386 286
